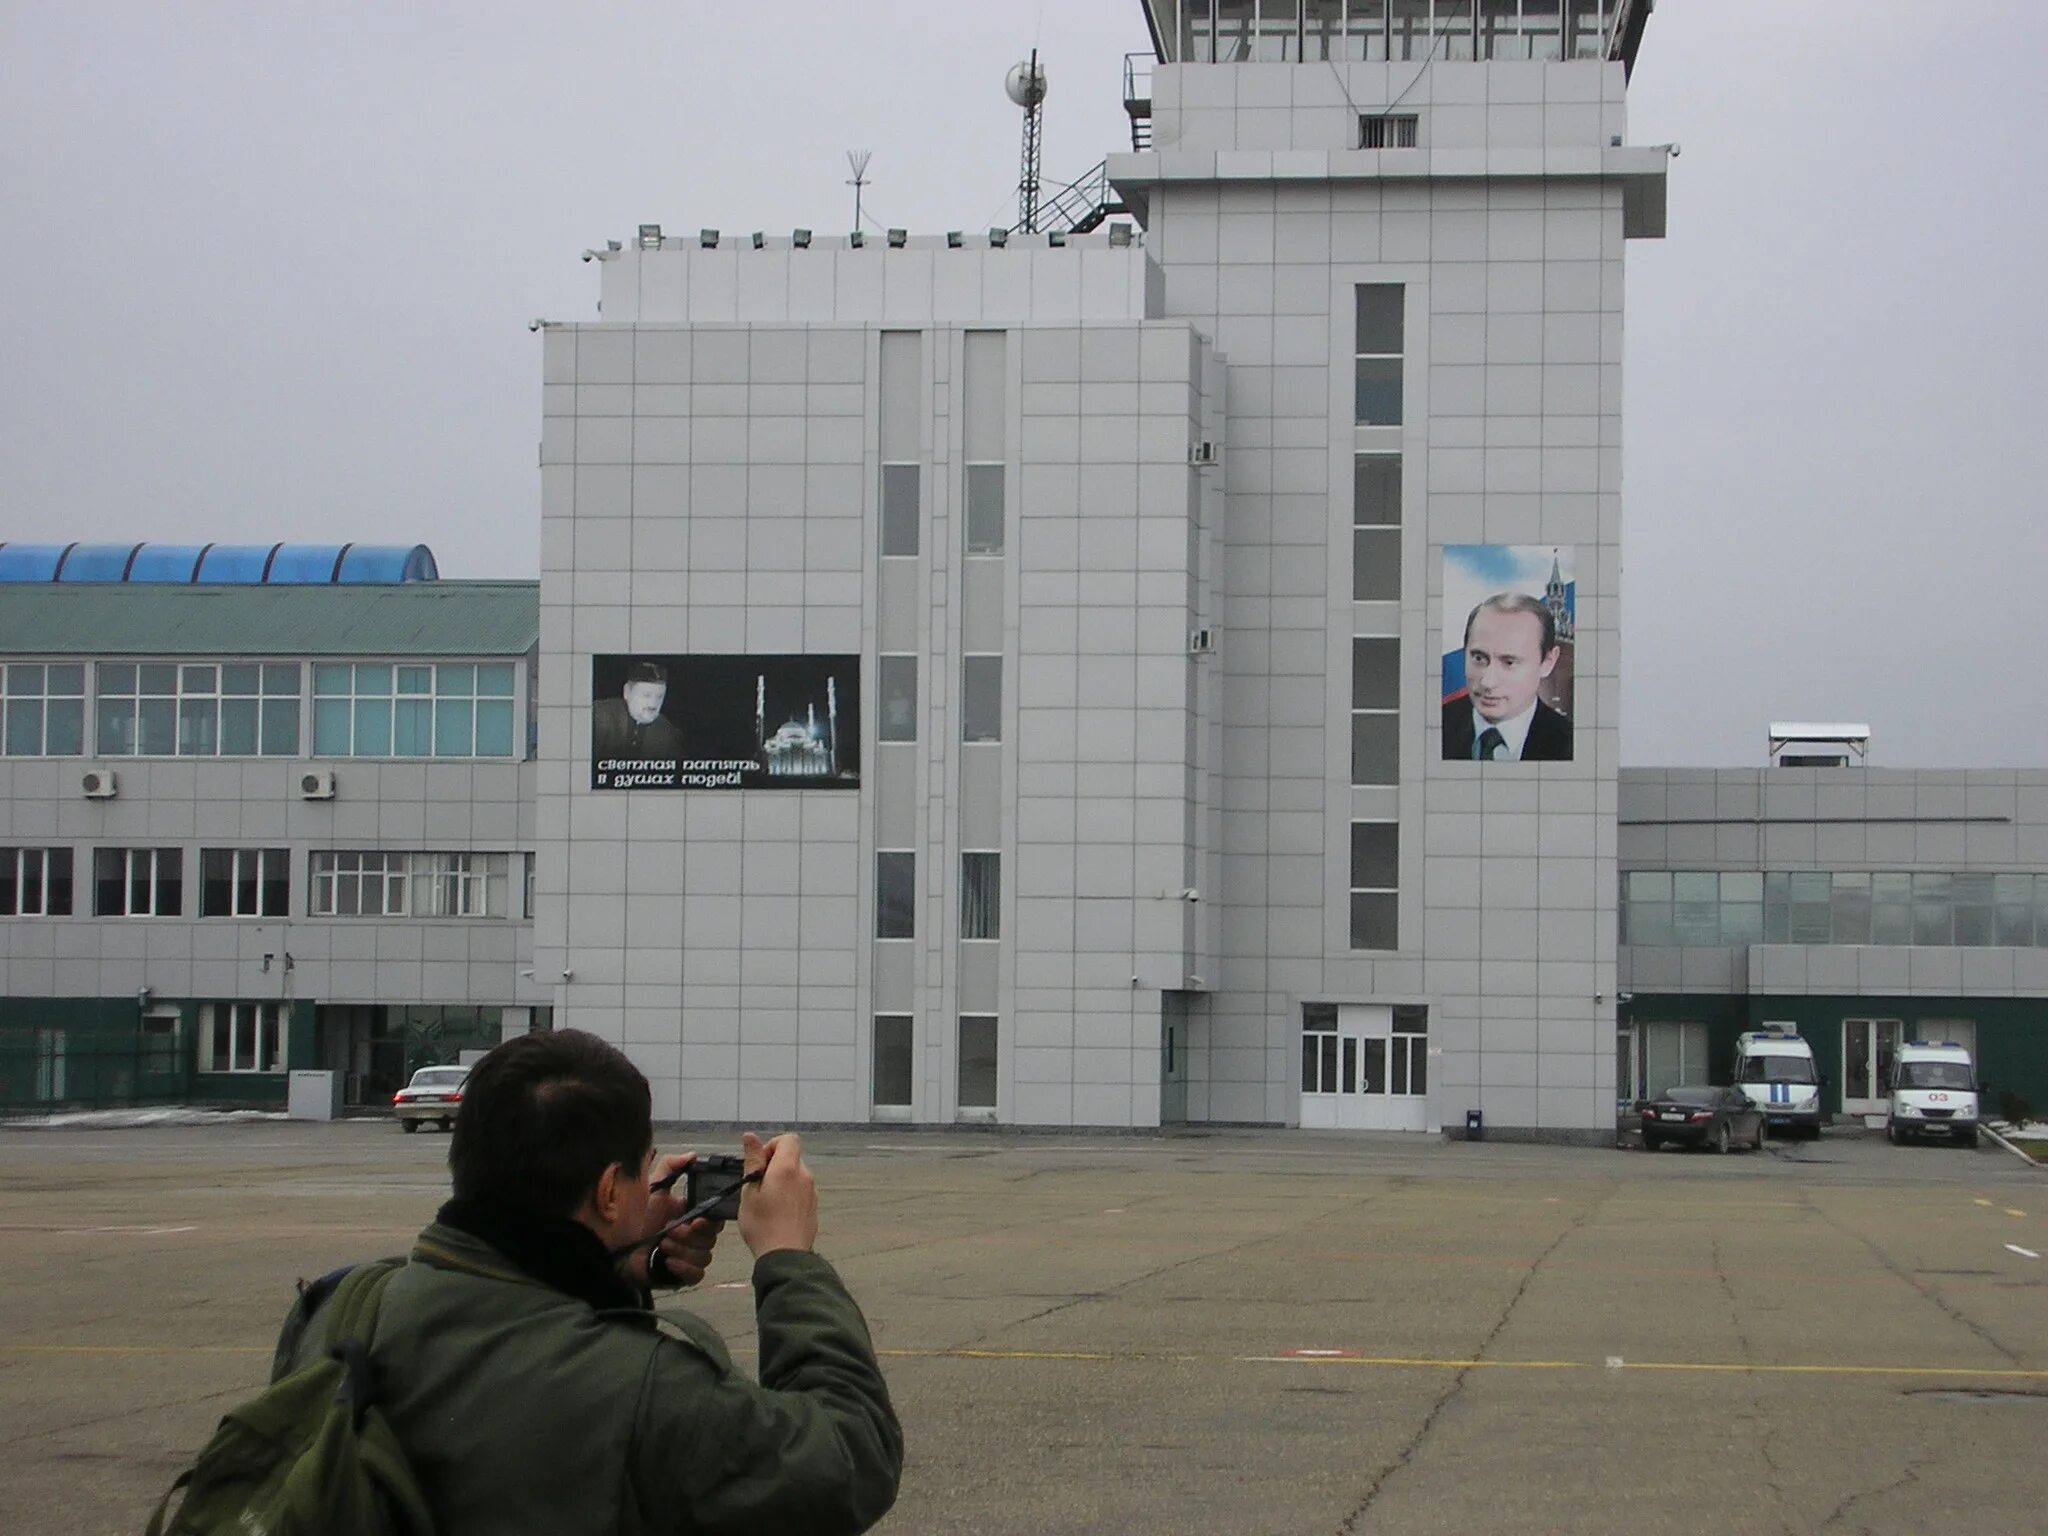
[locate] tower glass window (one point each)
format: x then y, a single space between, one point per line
1381 340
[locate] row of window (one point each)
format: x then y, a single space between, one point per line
983 526
1297 31
981 697
1376 577
253 709
256 882
1699 908
894 1055
981 895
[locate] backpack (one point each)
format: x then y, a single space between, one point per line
311 1455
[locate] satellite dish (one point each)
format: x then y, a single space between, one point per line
1025 83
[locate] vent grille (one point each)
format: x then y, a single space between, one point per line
1397 131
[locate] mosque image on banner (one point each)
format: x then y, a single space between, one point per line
724 722
1508 623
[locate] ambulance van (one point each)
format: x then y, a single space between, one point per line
1774 1068
1933 1093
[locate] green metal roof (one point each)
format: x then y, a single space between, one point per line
439 618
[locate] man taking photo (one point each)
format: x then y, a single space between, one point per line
524 1373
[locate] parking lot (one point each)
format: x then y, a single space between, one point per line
1245 1332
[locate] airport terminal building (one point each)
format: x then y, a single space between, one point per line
1156 666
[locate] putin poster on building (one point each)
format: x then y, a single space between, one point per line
724 722
1508 623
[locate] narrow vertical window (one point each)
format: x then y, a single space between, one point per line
1376 527
1375 709
981 895
892 1060
1380 347
1375 878
900 516
984 509
977 1061
895 895
981 698
898 680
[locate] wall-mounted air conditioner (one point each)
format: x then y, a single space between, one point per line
99 784
316 784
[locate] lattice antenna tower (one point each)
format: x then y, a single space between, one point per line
858 160
1025 86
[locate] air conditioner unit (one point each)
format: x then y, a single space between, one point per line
99 784
316 784
1203 453
1202 642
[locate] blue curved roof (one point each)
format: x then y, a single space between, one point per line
226 564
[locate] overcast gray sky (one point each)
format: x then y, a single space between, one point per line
268 268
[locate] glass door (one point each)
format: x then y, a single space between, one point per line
1365 1067
1869 1046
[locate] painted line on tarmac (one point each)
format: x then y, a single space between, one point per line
1423 1362
135 1349
2011 1212
2025 1253
49 1231
1612 1364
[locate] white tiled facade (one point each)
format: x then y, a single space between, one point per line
1173 814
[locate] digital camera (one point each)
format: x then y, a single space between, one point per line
714 1175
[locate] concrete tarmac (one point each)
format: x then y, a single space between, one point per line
1238 1331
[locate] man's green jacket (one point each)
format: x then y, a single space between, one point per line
523 1409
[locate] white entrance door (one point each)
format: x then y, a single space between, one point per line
1869 1046
1365 1067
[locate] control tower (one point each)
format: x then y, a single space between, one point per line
1402 223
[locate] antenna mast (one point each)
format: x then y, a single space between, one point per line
858 159
1025 86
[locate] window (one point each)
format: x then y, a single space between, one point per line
1376 528
349 883
531 886
198 709
358 885
895 895
981 895
981 698
35 882
1397 131
42 710
977 1061
898 678
1674 1055
1408 1051
1318 1047
984 509
138 882
242 1037
1380 327
1965 909
1375 878
1375 709
900 519
385 709
892 1060
245 882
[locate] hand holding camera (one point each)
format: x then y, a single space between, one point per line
782 1213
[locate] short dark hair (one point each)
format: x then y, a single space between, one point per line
543 1116
1519 602
646 672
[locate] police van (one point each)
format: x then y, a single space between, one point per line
1933 1093
1774 1068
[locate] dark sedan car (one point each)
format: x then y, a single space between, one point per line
1702 1117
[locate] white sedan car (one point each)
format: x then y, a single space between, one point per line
434 1093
